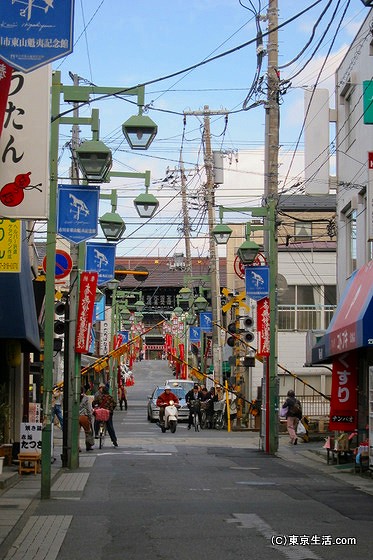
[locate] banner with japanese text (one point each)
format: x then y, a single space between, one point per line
24 147
87 294
10 246
343 404
263 327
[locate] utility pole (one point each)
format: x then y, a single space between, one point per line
214 257
270 237
186 223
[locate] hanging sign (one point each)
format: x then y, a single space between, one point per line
35 32
24 147
100 257
87 294
263 327
5 77
10 246
77 216
257 281
205 321
343 403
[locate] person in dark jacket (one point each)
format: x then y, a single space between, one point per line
293 415
104 400
193 399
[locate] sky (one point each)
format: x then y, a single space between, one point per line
124 43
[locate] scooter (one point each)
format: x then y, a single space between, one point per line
170 418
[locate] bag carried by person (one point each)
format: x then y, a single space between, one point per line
301 430
296 409
283 411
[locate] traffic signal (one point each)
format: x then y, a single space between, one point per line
59 326
232 329
247 329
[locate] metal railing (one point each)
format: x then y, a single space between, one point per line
313 406
304 317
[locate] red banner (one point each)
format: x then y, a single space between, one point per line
263 327
5 78
87 294
343 404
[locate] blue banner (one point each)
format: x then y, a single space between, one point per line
194 334
100 257
257 281
77 214
205 321
35 32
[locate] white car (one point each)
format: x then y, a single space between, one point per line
186 384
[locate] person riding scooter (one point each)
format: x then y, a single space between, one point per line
164 400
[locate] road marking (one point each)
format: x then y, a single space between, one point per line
253 521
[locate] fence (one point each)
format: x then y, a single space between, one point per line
304 317
313 406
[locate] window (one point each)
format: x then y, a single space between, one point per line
351 240
302 231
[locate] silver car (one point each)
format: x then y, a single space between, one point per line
153 409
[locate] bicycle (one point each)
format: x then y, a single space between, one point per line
219 420
101 415
195 407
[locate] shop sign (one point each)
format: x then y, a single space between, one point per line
10 246
343 404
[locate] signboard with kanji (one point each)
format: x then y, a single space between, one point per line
10 246
77 216
35 32
24 147
30 437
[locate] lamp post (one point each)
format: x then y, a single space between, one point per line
247 252
95 162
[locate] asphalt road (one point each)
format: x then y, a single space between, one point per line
209 495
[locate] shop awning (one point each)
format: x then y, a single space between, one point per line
18 318
352 325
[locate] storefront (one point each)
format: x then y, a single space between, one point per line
348 346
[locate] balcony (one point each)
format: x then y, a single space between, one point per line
304 317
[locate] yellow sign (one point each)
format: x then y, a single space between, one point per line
235 299
10 245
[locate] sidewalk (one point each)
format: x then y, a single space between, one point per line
18 492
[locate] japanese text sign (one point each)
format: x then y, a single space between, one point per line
10 246
87 294
35 32
30 437
343 405
24 147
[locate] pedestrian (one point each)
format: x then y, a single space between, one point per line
208 400
57 402
293 415
193 400
85 420
104 400
122 397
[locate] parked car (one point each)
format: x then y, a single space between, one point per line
153 409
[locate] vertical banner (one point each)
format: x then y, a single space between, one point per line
10 246
263 327
5 77
370 198
87 294
343 404
24 147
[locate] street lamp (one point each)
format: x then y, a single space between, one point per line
248 252
139 131
146 204
221 233
112 223
95 160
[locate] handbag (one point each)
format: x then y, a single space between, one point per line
283 411
301 430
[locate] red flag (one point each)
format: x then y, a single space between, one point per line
5 78
263 326
87 294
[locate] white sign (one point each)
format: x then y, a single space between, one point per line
31 437
24 147
105 330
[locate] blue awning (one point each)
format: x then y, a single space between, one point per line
18 318
352 324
